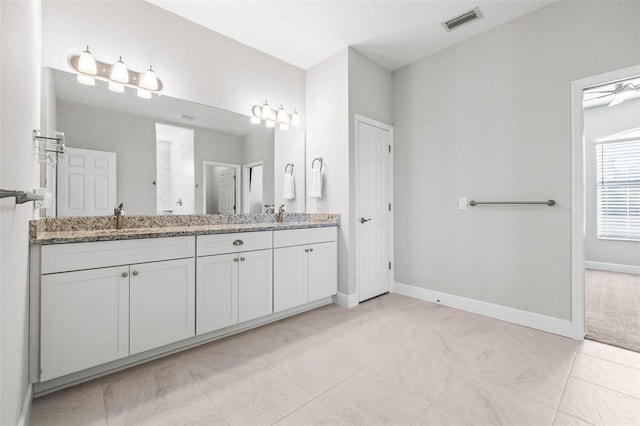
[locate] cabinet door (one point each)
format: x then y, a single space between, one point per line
322 270
217 290
162 303
84 320
255 291
289 277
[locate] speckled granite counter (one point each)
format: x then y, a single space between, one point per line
102 228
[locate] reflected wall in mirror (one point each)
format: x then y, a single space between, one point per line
164 155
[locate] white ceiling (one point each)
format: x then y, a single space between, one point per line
304 33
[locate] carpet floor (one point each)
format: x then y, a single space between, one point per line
612 308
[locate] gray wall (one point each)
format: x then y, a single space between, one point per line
258 146
20 114
600 122
133 138
489 119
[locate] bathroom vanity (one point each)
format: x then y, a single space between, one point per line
103 299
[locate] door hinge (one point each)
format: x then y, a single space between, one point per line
389 265
389 149
389 206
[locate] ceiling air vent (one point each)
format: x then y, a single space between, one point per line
186 117
466 17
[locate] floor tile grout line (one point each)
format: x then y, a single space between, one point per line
610 360
605 387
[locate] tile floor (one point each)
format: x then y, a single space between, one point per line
392 360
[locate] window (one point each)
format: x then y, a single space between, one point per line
619 190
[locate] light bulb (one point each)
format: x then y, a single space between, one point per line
255 120
270 123
284 126
119 72
266 110
86 80
144 94
87 63
150 81
282 116
295 118
116 87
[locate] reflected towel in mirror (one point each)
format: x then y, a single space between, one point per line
289 189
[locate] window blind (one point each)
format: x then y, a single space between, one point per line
619 190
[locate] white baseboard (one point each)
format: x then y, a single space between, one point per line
26 407
612 267
345 300
504 313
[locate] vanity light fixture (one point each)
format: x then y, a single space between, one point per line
272 117
117 75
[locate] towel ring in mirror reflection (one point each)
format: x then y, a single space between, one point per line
286 168
313 163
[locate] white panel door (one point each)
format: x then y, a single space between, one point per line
373 210
322 270
86 183
289 277
255 290
217 290
227 192
84 320
162 303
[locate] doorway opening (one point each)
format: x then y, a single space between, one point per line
610 201
253 187
220 187
175 177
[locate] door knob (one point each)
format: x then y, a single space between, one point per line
135 273
125 274
235 259
363 220
242 259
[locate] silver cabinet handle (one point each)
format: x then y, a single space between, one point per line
310 249
235 259
134 273
306 250
238 242
363 220
125 274
242 259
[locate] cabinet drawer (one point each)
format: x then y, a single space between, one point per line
77 256
234 243
297 237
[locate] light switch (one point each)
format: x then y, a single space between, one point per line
462 203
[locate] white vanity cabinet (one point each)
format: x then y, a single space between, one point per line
234 279
102 301
304 266
84 319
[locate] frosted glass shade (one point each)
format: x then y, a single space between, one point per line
87 63
150 81
119 72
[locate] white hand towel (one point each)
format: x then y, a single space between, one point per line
315 186
289 189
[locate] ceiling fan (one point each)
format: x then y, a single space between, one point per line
621 92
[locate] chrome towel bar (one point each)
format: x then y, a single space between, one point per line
548 202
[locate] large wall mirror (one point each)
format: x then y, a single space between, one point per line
164 155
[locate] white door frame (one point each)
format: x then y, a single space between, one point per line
245 184
206 163
578 188
357 118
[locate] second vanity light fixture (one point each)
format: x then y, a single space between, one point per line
117 75
272 117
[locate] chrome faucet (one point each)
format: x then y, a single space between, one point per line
118 212
280 214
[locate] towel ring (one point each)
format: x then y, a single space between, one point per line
313 163
286 168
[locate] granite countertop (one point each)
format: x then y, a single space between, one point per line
87 229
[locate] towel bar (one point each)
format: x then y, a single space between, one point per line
548 202
313 163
